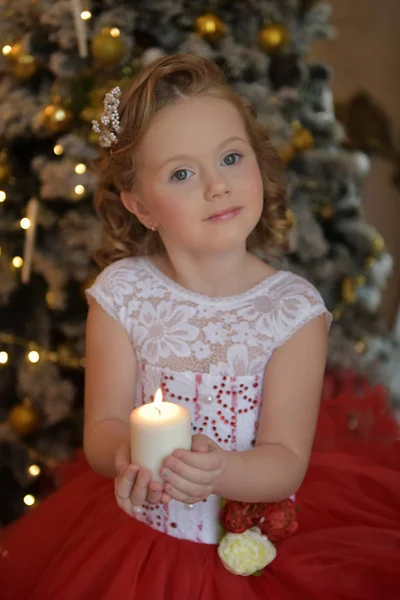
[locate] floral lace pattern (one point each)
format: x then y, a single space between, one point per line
175 329
207 354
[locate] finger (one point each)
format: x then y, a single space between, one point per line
205 461
186 487
200 443
125 481
174 466
181 496
165 498
154 493
139 491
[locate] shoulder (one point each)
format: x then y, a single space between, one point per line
116 284
125 268
296 302
288 285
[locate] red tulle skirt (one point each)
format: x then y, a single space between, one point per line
78 545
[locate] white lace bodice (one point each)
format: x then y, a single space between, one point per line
208 354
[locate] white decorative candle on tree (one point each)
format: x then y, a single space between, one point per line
157 430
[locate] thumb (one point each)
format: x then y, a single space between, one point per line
200 443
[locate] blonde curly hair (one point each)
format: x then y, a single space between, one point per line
162 83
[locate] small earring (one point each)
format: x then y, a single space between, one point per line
152 227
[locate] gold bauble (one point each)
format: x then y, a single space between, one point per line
360 280
326 212
210 27
287 154
5 172
369 263
108 48
24 65
24 418
93 138
90 113
361 346
337 312
290 217
55 118
273 38
378 245
349 290
302 139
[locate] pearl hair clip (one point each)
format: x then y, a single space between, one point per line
109 124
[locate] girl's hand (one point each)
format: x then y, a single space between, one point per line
133 485
191 476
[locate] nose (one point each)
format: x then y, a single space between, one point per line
217 187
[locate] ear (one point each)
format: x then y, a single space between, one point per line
132 203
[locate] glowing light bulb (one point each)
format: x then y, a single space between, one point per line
29 500
115 32
34 470
3 357
25 223
6 50
33 356
17 262
79 190
86 15
3 196
80 169
58 149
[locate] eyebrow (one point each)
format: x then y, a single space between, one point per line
180 157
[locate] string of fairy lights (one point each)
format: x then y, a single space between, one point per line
107 48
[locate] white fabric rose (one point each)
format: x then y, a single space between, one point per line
246 553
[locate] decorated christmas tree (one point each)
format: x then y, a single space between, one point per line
58 59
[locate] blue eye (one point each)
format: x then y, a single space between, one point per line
232 159
181 175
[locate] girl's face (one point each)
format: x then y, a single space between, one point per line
199 180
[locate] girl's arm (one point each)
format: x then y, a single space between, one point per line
109 389
275 468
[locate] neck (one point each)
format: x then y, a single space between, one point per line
216 275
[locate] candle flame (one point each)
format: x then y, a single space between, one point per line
158 400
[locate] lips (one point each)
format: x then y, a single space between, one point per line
226 214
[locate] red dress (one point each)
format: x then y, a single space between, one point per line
78 545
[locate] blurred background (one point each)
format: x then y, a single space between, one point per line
324 78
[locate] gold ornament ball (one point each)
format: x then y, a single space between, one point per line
290 217
108 48
369 263
5 172
273 38
90 113
337 312
378 245
24 418
326 212
24 65
302 139
287 154
361 346
55 118
349 293
210 27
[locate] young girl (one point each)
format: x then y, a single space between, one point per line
189 185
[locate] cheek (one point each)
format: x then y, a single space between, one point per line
254 184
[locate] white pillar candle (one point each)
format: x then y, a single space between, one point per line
157 430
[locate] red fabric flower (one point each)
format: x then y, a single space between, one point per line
237 517
279 520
